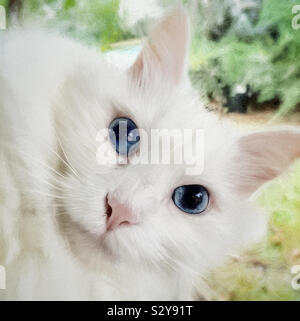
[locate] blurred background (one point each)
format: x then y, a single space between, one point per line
245 64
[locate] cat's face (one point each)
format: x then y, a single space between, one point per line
135 212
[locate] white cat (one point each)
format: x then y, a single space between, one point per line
73 229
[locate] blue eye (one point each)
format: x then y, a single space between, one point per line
124 135
191 199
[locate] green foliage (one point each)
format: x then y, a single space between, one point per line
68 4
265 57
94 22
264 272
3 3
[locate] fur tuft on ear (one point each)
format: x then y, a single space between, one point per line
165 53
264 155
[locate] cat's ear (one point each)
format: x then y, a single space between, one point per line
262 156
164 55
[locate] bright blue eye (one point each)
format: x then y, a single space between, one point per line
191 199
124 135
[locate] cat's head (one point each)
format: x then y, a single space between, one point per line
156 213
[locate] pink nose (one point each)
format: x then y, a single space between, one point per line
118 214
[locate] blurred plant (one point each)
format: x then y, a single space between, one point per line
247 43
263 273
4 3
91 21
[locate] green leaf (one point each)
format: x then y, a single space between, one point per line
68 4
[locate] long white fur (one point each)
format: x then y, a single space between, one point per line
55 95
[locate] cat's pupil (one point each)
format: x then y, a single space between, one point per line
191 199
124 135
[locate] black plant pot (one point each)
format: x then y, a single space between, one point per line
237 98
238 103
